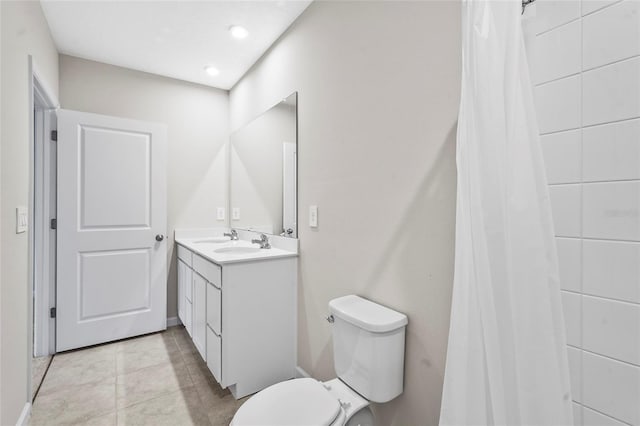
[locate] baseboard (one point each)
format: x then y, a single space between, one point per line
173 321
23 420
300 373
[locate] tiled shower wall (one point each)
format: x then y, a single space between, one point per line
585 61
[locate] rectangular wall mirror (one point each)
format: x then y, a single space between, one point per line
263 172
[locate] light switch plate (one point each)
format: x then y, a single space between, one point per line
235 213
313 216
22 219
220 214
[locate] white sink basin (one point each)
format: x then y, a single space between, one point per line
213 240
237 250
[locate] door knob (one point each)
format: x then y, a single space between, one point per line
159 237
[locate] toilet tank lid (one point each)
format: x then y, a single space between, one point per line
366 314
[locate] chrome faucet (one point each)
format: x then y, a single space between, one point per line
263 241
233 235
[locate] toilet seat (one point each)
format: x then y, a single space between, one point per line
295 402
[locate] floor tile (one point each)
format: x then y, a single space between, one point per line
151 352
105 420
38 369
76 404
80 367
218 403
185 344
151 382
178 408
165 382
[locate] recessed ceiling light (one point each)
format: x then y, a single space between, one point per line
238 32
211 70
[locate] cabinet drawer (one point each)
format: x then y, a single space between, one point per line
214 354
210 271
185 255
214 299
188 316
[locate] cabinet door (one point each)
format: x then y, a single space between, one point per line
181 295
188 316
187 284
188 288
214 352
214 302
200 314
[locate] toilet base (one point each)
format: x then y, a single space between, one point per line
364 417
354 406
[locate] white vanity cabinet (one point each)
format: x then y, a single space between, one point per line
243 318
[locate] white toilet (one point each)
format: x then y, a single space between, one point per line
368 351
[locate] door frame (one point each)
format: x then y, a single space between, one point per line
41 275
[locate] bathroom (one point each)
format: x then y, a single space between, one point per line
378 99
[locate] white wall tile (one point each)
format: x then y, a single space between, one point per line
611 387
611 34
593 418
611 210
575 373
571 303
552 13
611 269
610 93
611 328
590 6
558 105
562 156
605 98
570 263
558 53
565 207
610 151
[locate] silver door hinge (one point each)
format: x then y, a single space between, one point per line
54 224
52 312
54 135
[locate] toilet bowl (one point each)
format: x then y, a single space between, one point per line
300 402
368 352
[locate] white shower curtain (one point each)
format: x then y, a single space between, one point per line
506 359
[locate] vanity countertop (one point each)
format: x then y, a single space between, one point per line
210 249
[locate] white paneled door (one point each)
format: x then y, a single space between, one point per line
112 264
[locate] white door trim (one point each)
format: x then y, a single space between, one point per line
39 93
44 237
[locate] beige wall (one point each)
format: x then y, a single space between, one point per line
24 32
378 87
197 119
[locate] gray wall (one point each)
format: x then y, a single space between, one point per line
24 32
378 86
198 121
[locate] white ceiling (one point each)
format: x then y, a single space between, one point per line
171 38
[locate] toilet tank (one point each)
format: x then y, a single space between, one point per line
368 347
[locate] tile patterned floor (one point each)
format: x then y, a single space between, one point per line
154 380
39 366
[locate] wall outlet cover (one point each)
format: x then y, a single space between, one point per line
313 216
220 213
235 213
22 219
